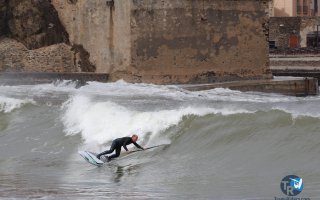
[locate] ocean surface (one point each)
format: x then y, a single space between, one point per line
216 144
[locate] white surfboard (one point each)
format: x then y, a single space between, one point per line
91 158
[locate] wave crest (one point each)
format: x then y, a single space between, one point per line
100 122
8 105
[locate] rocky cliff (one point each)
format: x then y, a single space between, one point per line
46 46
3 17
34 23
15 57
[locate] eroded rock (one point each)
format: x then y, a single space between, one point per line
35 23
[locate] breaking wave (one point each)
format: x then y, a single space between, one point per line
8 105
99 122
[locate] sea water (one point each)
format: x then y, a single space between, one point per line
216 144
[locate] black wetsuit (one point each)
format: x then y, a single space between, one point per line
117 144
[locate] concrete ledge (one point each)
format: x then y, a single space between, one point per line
314 73
284 85
13 78
287 86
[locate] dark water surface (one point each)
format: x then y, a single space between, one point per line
218 144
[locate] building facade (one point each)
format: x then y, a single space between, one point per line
294 32
295 8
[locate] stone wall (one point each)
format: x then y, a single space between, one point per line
199 41
171 41
282 28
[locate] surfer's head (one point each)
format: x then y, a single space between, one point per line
134 138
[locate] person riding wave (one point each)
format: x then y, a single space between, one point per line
117 144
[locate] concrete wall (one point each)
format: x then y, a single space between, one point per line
104 31
288 86
171 41
201 41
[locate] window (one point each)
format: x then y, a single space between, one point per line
299 7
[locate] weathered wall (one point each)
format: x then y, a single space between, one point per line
171 41
281 28
199 41
103 30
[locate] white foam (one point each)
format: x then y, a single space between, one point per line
222 94
9 104
121 88
303 111
38 91
58 86
99 122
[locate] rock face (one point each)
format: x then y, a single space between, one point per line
44 42
35 23
3 17
15 57
81 59
171 41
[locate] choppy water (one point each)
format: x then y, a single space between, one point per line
220 144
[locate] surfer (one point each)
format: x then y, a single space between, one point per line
117 144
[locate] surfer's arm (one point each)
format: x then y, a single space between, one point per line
138 146
125 147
